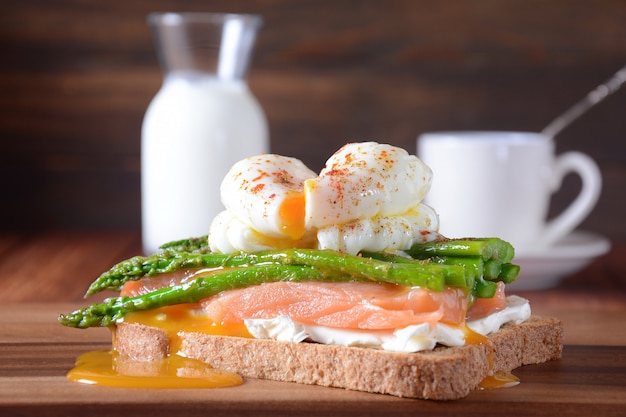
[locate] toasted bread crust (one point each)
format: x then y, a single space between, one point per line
442 374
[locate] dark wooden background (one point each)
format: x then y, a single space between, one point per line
77 75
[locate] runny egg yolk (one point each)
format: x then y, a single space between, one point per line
291 214
108 368
497 378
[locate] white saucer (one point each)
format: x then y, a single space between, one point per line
543 268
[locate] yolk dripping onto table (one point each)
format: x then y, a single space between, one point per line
102 368
497 378
111 369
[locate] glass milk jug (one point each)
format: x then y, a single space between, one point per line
203 120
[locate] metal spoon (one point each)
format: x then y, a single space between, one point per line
594 97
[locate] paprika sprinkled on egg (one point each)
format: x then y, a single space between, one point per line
368 195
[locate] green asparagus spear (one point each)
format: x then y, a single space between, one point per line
114 308
138 267
475 264
491 268
355 266
471 265
483 285
430 275
171 260
484 288
508 273
192 244
341 269
486 248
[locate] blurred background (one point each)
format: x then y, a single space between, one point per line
76 77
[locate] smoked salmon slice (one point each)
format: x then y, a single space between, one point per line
345 305
348 305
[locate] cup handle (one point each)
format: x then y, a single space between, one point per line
582 205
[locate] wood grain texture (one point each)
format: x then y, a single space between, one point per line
35 354
76 77
586 381
54 266
59 265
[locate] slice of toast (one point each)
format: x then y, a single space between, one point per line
442 374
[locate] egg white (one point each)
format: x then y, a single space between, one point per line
255 189
367 197
381 233
364 180
228 234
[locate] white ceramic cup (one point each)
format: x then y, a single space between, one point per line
499 184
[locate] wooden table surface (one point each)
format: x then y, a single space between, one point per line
44 274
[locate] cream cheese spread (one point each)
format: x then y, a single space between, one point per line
414 338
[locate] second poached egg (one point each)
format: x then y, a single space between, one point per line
367 197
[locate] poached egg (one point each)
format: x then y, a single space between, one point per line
367 197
